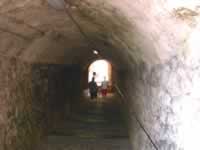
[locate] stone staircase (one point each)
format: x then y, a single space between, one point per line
96 126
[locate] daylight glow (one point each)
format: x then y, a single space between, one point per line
194 46
101 67
174 4
190 127
194 41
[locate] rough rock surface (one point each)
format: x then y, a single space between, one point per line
157 41
22 113
166 102
27 98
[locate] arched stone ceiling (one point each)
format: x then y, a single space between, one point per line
150 31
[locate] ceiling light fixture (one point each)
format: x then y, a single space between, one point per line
95 52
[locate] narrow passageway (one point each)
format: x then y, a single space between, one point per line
46 47
98 124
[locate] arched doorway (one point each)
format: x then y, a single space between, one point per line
101 70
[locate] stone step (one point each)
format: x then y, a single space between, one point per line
93 127
70 143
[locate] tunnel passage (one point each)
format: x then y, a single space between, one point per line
100 69
154 44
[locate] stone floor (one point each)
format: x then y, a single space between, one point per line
98 125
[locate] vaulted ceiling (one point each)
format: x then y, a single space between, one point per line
42 31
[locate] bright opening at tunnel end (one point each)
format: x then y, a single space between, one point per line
102 70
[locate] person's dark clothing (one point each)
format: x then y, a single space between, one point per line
93 89
93 95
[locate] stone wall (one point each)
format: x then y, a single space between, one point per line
64 91
164 99
21 113
29 95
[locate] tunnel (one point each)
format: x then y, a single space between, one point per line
46 47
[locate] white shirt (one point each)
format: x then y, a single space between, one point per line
104 85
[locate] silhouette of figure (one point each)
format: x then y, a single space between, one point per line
93 88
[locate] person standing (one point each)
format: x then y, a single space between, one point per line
104 87
93 88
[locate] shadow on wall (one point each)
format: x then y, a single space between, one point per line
28 94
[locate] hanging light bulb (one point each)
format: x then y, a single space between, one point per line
57 4
95 52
